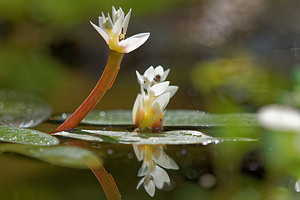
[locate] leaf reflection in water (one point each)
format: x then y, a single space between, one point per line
154 160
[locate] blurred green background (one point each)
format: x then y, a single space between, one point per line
225 56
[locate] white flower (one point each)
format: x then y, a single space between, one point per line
154 158
279 118
283 119
114 30
150 104
156 75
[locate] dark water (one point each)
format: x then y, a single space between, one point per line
230 170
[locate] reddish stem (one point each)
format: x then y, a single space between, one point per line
107 182
105 82
104 178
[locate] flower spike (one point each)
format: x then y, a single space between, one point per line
149 106
114 30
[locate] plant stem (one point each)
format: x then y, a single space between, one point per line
104 178
107 182
105 82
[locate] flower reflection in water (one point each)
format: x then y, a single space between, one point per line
154 160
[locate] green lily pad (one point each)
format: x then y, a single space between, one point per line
67 156
22 110
172 118
198 118
26 136
79 136
169 137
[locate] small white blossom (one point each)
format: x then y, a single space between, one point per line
279 118
113 31
150 104
154 160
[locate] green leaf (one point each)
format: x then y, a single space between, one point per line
172 118
68 156
170 137
198 118
21 110
79 136
26 136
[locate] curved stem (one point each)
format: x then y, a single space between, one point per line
104 178
105 82
107 182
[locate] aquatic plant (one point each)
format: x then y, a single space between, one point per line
113 31
148 113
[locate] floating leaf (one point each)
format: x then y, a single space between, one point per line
111 117
21 110
172 118
68 156
79 136
170 137
26 136
198 118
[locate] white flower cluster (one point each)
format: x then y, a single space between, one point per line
150 104
113 31
154 158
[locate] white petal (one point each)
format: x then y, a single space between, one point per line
173 164
160 176
161 102
158 149
172 89
159 183
159 70
140 78
118 26
164 75
157 108
126 21
140 183
149 73
143 94
138 150
143 170
100 22
279 118
134 42
159 88
165 161
150 187
109 20
136 111
120 11
114 15
103 19
161 158
101 32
